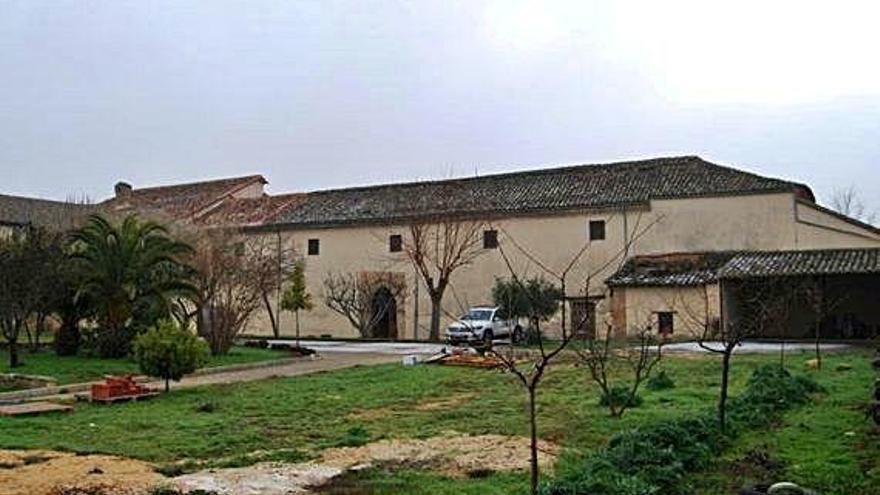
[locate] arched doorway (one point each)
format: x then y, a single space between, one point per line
384 317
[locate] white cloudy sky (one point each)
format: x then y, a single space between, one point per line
322 93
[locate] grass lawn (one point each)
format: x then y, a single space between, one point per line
75 369
294 418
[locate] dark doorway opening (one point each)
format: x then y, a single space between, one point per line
583 318
384 314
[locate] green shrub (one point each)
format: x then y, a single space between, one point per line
355 437
660 381
169 352
619 395
658 459
114 343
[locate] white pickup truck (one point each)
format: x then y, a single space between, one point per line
482 324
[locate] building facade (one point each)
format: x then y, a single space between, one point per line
645 242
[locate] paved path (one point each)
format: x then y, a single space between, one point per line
753 347
325 362
326 347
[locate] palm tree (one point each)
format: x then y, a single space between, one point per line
133 274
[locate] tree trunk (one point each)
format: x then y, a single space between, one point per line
533 445
820 316
39 327
296 315
722 399
275 330
782 354
167 385
435 317
13 353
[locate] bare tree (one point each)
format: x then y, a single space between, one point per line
601 356
531 372
437 248
20 261
351 295
848 201
233 273
757 305
822 302
278 263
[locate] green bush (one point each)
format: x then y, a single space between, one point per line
658 459
355 437
169 352
619 395
660 381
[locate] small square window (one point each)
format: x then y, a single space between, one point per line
597 230
665 322
314 247
395 243
490 239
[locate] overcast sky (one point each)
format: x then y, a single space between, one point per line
324 94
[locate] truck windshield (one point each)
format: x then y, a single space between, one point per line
478 315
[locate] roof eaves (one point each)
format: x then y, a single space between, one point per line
489 214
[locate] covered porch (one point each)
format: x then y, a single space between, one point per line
791 294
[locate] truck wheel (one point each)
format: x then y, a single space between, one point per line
488 336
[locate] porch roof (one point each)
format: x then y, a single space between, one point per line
691 269
802 263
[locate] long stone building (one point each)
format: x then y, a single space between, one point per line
660 239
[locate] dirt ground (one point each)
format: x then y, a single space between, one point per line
36 472
40 472
453 455
428 405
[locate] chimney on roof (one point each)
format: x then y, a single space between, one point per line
122 189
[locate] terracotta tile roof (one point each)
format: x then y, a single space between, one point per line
566 188
795 263
180 201
249 211
20 211
680 269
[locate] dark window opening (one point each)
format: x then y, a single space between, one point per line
314 247
490 239
597 230
395 243
665 322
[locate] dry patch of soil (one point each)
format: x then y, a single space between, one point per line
424 406
43 472
444 404
259 479
452 455
371 414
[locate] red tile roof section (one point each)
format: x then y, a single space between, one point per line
182 201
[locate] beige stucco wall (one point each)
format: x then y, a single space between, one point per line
817 229
756 222
692 308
